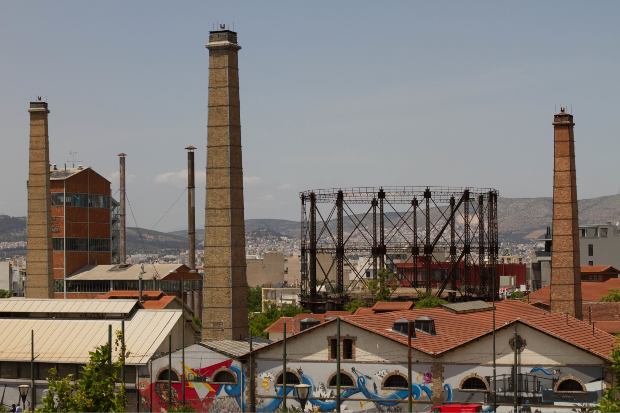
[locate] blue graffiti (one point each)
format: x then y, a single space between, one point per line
398 396
547 372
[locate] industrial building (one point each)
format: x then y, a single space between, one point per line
85 222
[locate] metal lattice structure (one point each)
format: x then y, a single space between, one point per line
433 239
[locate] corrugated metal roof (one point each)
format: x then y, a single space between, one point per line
34 305
112 272
61 174
69 340
232 348
468 307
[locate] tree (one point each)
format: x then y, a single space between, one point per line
612 297
255 299
96 391
609 403
6 294
353 305
428 300
383 286
197 321
259 322
517 295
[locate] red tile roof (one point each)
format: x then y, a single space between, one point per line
337 313
590 291
364 311
596 269
611 327
383 306
454 330
159 304
278 326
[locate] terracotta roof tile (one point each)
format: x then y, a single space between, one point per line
383 306
337 313
454 330
158 304
590 291
278 326
598 269
611 327
364 311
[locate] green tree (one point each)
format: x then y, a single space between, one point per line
197 321
383 286
259 322
428 300
612 297
6 294
517 295
96 391
353 305
255 299
609 403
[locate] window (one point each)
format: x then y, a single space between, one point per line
591 263
474 384
98 201
395 381
590 250
225 377
9 369
99 244
59 286
171 286
347 349
88 286
57 199
64 369
345 380
77 244
291 379
163 376
24 370
333 348
43 370
604 232
58 244
76 200
569 385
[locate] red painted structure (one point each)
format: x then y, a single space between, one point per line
440 270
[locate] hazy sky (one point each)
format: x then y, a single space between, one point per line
333 94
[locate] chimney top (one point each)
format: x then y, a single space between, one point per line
190 148
55 167
122 154
80 167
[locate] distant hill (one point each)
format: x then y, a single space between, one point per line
12 228
519 219
262 233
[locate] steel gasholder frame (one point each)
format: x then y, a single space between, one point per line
448 235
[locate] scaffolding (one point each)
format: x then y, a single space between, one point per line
436 240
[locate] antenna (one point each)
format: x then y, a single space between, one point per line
72 154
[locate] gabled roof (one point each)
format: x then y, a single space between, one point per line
130 272
598 269
384 306
590 291
455 330
364 311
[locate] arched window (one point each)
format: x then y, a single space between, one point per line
346 380
394 380
223 377
473 383
570 385
291 379
163 376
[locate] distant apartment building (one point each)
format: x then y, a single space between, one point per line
85 222
265 270
599 245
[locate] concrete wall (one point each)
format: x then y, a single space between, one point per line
267 271
606 249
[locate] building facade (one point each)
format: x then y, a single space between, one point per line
599 245
84 223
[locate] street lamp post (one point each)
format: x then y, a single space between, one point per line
302 391
23 392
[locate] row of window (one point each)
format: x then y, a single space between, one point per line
93 286
80 200
82 244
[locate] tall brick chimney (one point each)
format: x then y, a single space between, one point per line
225 283
565 264
39 258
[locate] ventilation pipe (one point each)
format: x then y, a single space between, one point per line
123 251
191 208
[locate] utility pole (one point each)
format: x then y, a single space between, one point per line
123 350
183 336
338 364
252 407
516 349
33 395
284 368
169 371
409 397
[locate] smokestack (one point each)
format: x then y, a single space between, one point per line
123 249
39 256
225 311
565 262
191 208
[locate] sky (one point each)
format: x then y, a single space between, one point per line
333 95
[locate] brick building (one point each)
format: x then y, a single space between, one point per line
84 222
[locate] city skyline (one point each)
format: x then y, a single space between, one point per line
337 96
